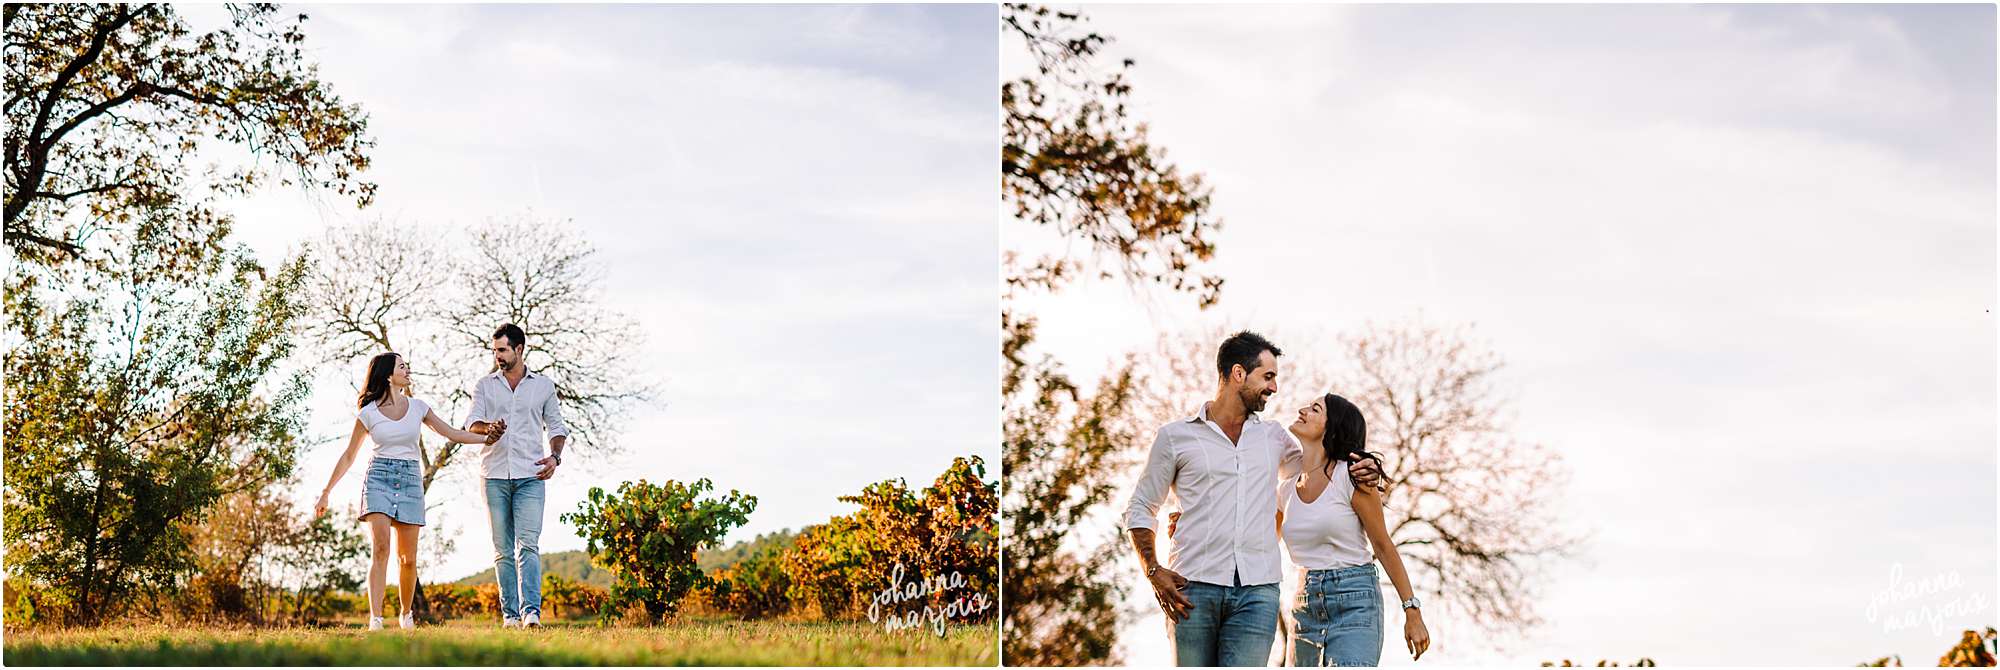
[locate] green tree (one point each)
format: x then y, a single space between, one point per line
323 559
109 104
133 405
647 536
1075 163
232 545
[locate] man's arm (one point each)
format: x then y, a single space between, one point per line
1293 458
1167 584
476 420
1142 517
558 432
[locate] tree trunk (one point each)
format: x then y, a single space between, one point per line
84 612
420 607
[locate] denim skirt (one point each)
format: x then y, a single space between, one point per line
395 486
1338 618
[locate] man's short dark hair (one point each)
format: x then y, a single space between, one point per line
1242 349
515 338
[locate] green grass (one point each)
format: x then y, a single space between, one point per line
482 643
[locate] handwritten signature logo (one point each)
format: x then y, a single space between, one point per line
1911 615
925 589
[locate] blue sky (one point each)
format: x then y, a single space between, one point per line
1739 260
796 203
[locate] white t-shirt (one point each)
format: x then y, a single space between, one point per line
1324 534
395 438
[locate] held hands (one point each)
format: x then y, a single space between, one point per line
1415 635
495 429
1365 473
1167 586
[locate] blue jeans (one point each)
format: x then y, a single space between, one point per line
515 508
1339 617
1229 625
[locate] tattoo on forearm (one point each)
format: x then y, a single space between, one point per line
1142 542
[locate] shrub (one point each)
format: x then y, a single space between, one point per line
452 602
754 588
647 535
563 598
838 567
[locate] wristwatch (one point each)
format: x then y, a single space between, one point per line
1412 603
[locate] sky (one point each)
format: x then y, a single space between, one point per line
795 204
1740 263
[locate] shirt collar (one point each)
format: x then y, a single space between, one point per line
1201 415
501 374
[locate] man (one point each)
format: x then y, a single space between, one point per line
522 407
1223 465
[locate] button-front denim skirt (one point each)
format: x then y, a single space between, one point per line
395 486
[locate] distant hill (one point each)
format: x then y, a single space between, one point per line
710 561
575 565
570 565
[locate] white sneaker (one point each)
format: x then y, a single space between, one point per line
374 623
407 621
510 622
532 620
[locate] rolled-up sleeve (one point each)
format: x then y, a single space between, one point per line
480 399
552 421
1154 484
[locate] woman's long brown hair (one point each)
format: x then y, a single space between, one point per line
377 387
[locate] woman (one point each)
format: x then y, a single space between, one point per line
393 493
1328 526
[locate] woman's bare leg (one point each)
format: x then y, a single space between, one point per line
378 531
406 561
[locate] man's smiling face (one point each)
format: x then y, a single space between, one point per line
1260 384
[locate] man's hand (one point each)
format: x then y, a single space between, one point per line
1365 473
494 430
548 464
1167 586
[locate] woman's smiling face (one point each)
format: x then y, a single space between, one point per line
1312 419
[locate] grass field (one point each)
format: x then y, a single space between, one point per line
482 643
